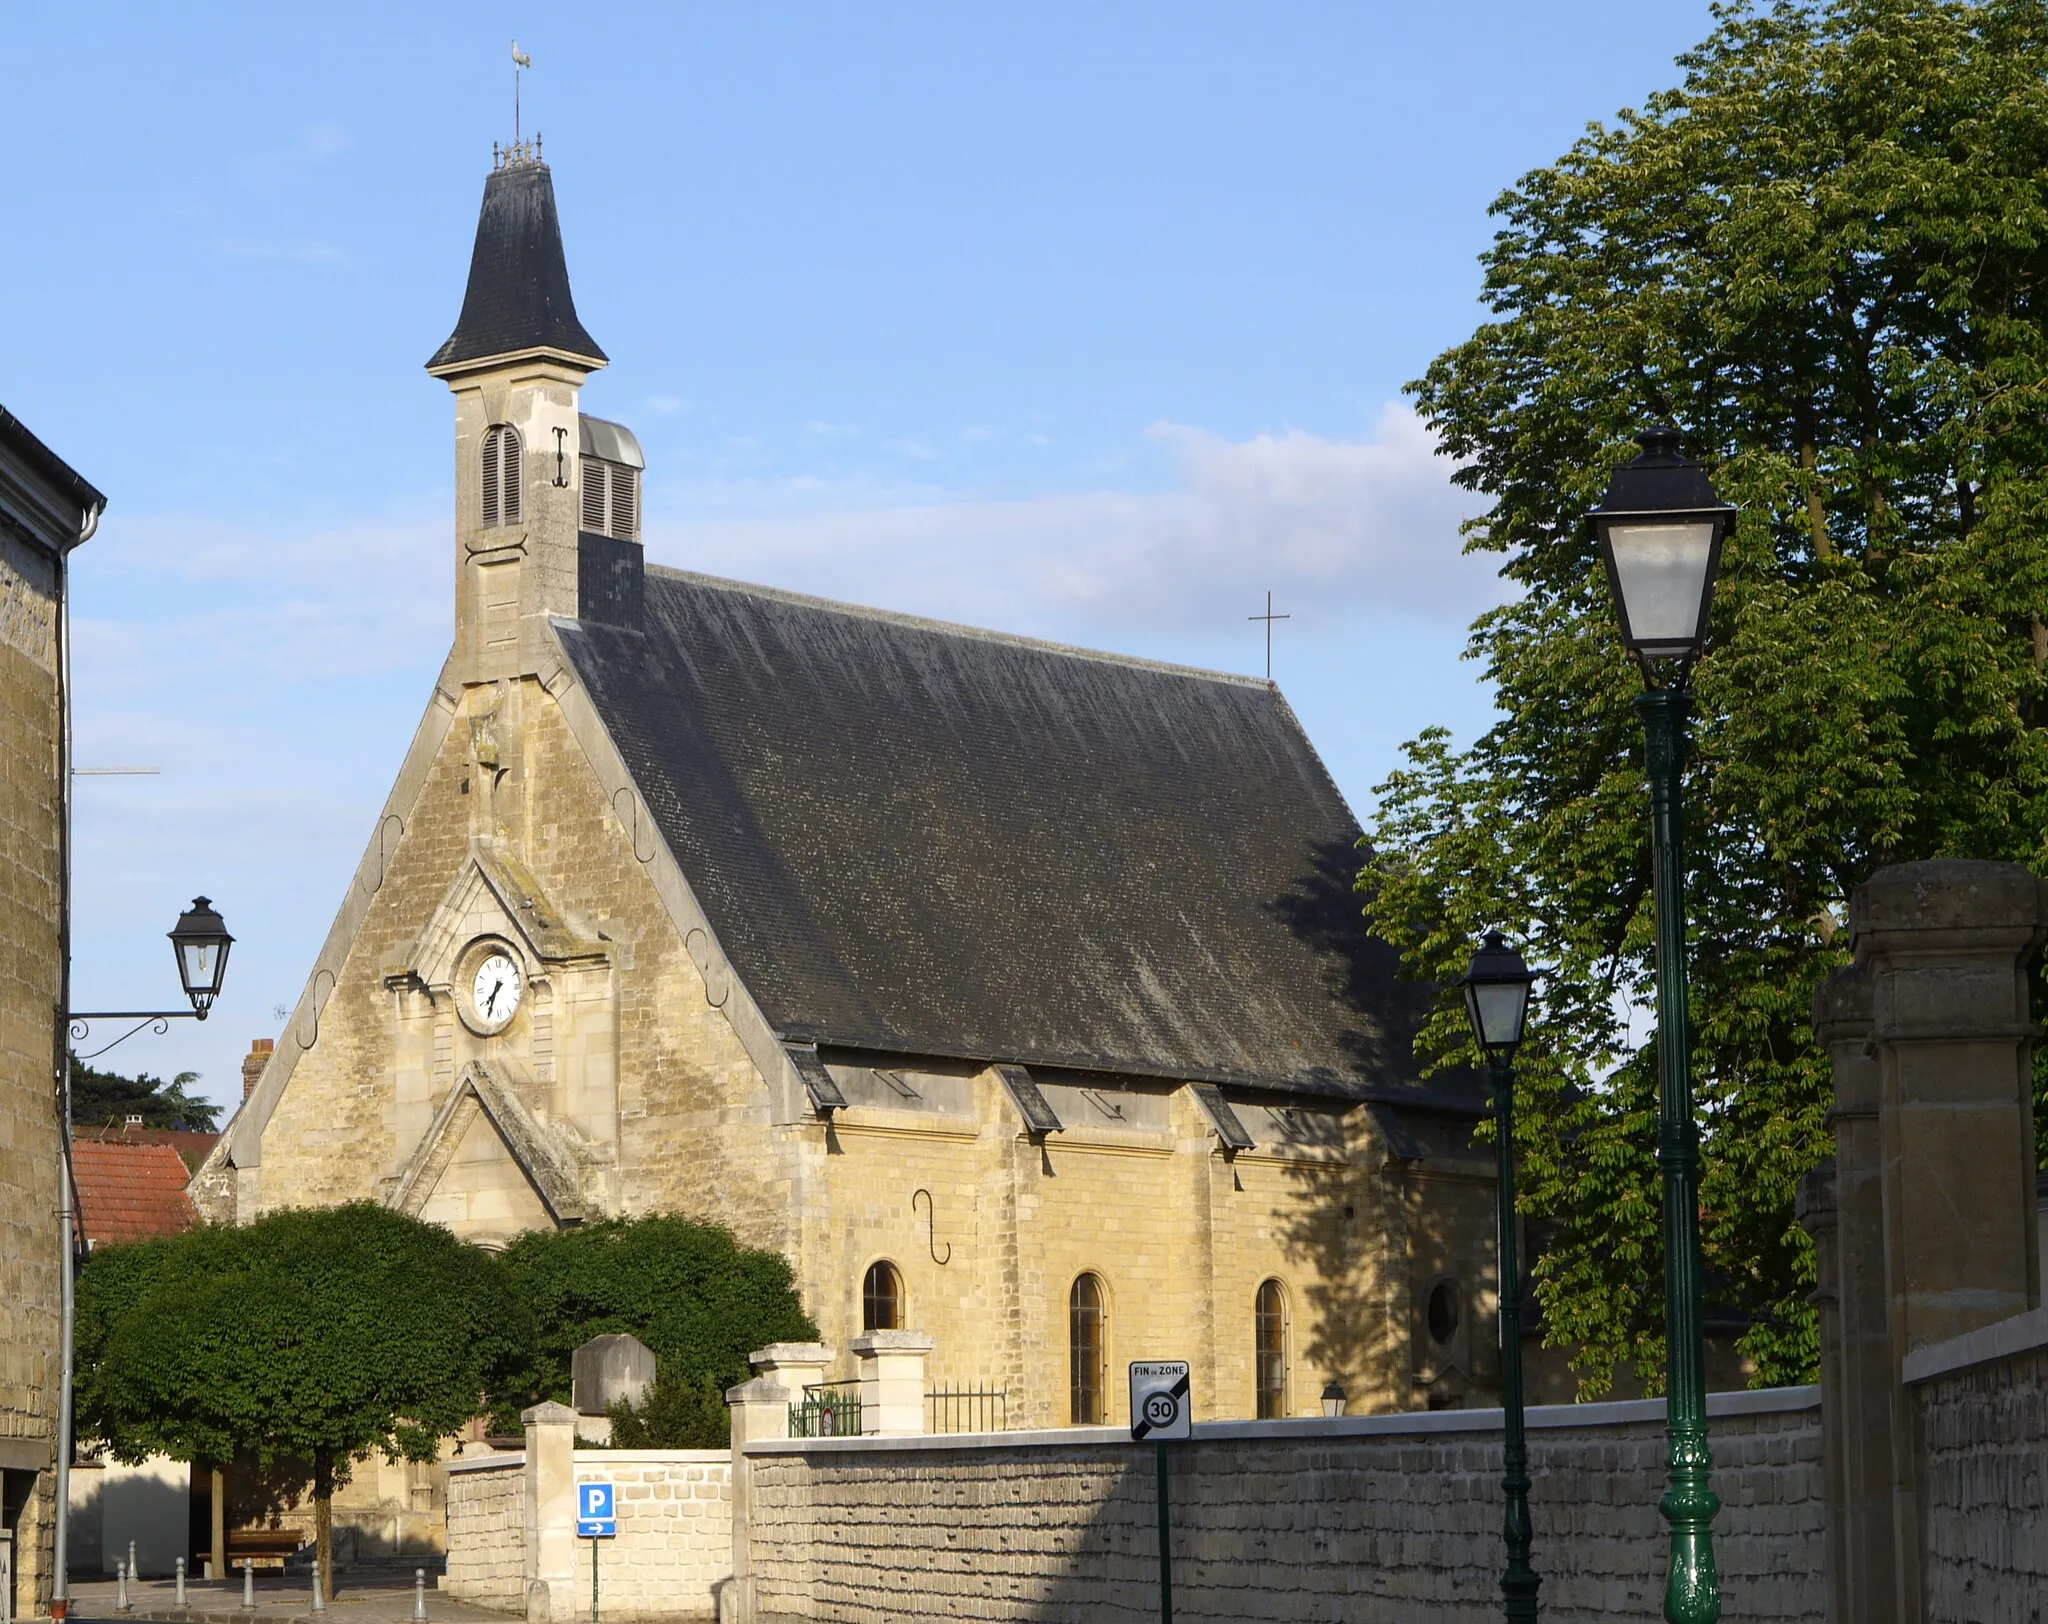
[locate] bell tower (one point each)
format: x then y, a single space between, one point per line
516 363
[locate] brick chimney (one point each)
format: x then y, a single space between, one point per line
253 1063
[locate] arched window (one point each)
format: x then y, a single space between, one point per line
881 1299
501 476
1088 1352
1269 1350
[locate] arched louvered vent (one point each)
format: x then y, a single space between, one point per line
491 440
500 472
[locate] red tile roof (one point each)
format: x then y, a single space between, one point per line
193 1147
129 1192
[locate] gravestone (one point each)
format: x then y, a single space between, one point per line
609 1368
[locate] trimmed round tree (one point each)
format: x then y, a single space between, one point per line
311 1339
688 1290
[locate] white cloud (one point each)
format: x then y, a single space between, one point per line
266 608
1323 523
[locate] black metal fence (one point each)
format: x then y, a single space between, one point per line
967 1409
827 1410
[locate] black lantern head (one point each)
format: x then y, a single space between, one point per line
1497 994
201 941
1333 1400
1660 529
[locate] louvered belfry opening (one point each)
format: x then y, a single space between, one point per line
611 499
500 475
610 466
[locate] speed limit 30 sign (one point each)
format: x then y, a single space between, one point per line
1161 1408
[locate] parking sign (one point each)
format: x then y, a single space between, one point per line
597 1514
1161 1408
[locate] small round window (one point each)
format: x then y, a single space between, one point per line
1441 1313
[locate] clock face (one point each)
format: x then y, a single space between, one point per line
496 991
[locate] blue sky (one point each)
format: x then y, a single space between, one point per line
1083 320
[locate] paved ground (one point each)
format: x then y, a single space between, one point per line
278 1601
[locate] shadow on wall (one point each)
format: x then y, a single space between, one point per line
113 1504
1348 1316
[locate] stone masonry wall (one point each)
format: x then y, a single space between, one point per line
673 1546
31 1136
486 1533
1984 1492
675 1531
1366 1520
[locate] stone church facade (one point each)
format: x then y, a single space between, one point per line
1015 992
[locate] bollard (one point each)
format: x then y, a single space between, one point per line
319 1594
120 1588
248 1584
181 1581
419 1595
134 1572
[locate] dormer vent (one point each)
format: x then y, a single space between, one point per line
612 463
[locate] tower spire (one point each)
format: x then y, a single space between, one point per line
518 300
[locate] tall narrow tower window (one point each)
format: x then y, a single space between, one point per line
1269 1350
1087 1352
501 476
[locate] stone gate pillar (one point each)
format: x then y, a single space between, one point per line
550 1513
1842 1206
1947 948
760 1409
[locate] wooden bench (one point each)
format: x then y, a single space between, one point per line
262 1548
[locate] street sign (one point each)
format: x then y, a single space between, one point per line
1161 1408
597 1514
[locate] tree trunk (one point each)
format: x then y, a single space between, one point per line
323 1519
217 1543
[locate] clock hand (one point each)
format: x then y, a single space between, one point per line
491 1003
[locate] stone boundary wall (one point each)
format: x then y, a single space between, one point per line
675 1532
487 1532
1983 1403
1372 1519
673 1548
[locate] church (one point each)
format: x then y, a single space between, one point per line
1017 993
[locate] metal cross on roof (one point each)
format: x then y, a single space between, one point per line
1269 617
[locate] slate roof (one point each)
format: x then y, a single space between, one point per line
518 295
129 1191
17 437
920 838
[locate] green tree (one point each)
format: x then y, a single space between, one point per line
678 1411
309 1339
688 1290
100 1098
1825 257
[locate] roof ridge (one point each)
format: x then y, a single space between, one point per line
956 628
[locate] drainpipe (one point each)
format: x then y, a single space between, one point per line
67 1220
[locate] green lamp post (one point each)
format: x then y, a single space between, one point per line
1659 530
1497 1003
